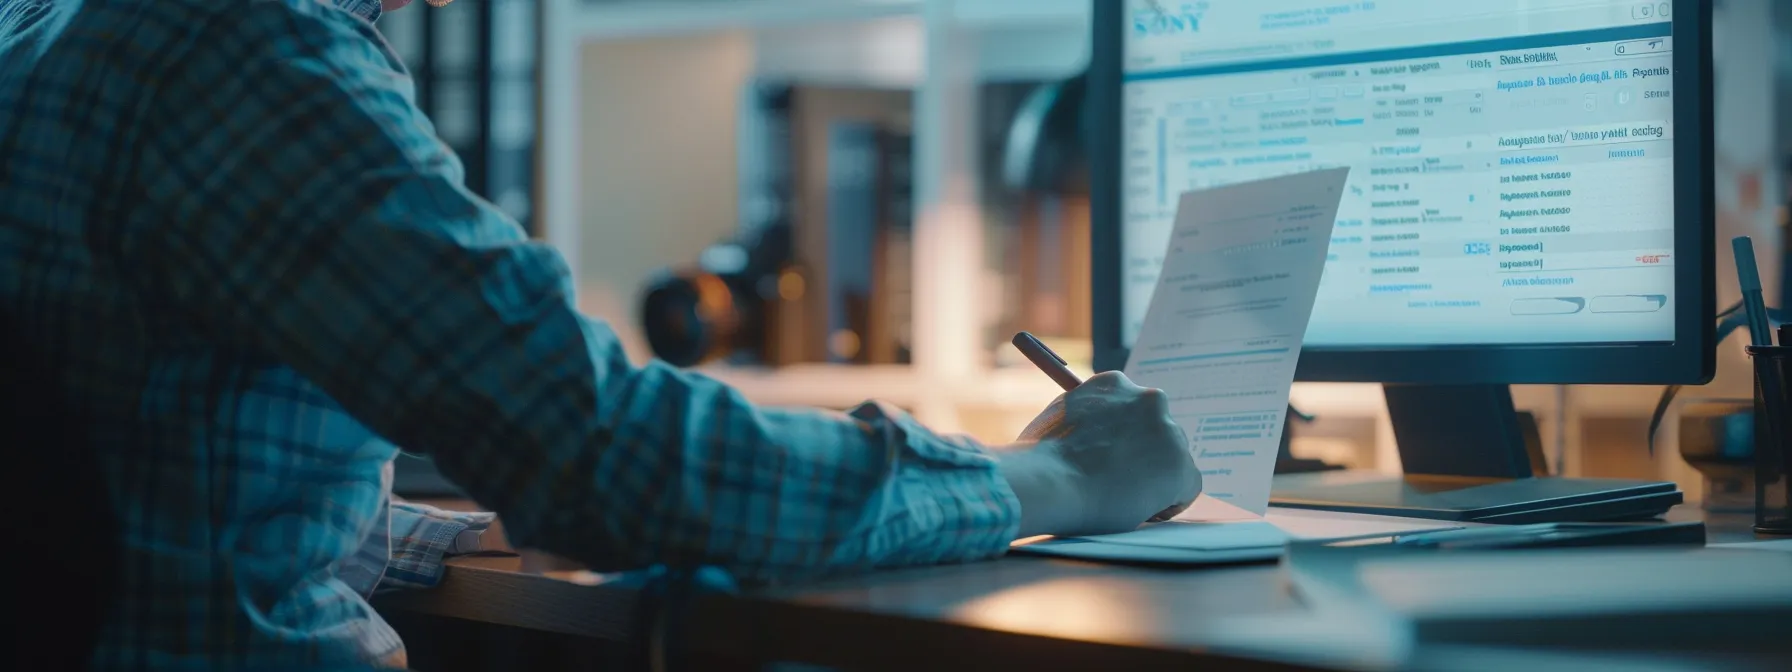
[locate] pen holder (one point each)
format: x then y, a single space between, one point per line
1773 438
1717 438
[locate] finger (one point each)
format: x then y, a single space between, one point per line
1170 513
1191 491
1045 424
1049 422
1156 400
1124 382
1106 380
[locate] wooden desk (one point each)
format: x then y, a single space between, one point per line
1018 611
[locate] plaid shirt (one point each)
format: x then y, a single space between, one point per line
411 546
228 227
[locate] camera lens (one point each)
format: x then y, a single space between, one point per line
722 307
690 319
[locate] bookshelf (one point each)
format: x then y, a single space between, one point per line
475 68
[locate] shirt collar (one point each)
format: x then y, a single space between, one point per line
368 10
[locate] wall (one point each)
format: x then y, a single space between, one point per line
657 171
1743 54
877 53
1746 181
1782 38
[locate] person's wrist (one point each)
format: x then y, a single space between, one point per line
1042 484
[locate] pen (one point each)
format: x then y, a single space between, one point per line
1054 366
1748 277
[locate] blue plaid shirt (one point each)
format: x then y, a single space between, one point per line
228 227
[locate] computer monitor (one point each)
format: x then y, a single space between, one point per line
1529 200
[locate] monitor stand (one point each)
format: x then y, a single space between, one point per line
1468 456
1286 462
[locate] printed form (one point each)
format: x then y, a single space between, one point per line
1223 331
1222 336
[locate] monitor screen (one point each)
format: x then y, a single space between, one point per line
1512 170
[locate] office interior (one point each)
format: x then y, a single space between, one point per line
639 137
903 184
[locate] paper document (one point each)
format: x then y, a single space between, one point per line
1316 525
1231 541
1781 545
1222 333
1227 535
1276 528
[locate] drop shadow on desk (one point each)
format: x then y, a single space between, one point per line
443 644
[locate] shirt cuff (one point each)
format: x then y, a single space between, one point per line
952 504
423 538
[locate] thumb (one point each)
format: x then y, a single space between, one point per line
1049 422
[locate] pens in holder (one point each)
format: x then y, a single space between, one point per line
1748 279
1773 512
1054 366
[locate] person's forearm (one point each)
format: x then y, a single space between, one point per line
684 471
1043 488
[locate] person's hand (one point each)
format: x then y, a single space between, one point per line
1103 458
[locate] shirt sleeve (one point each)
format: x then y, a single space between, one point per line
422 538
312 217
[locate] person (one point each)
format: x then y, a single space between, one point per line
254 270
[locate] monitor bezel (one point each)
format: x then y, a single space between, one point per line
1690 359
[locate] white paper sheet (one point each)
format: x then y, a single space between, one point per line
1223 331
1316 525
1216 536
1781 545
1276 528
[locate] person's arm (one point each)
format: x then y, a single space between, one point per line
313 217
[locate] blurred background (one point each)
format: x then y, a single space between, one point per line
824 201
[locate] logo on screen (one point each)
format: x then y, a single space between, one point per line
1162 19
